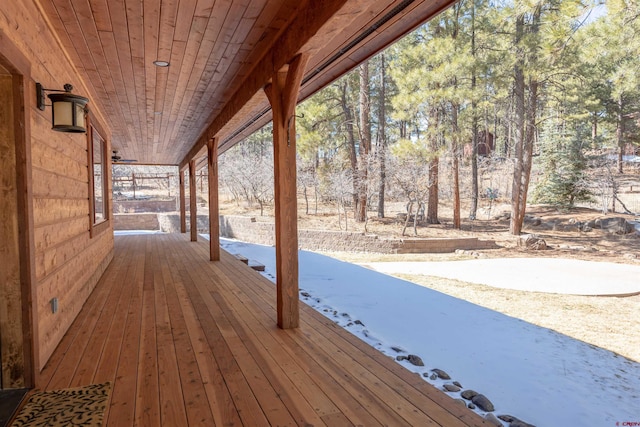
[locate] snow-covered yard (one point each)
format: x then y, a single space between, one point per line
533 373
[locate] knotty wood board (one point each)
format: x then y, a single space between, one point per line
11 343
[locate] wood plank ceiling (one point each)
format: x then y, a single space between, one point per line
165 115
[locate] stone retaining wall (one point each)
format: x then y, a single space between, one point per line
144 206
142 221
249 230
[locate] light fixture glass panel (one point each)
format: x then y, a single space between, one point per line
62 113
79 116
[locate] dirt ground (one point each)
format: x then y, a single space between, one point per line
612 323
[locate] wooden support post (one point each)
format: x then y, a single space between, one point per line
183 203
283 95
193 205
214 210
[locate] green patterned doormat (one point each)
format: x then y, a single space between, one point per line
82 406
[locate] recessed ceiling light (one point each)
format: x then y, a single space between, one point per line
161 63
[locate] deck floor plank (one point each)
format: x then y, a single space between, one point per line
172 410
189 342
123 395
148 391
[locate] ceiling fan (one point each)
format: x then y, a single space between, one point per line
115 158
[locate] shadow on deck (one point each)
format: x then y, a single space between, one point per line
189 342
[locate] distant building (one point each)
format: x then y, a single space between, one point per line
486 145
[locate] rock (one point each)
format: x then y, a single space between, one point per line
514 422
532 242
493 420
452 388
441 374
397 349
586 229
573 227
457 383
616 225
532 220
433 377
471 406
468 394
415 360
305 294
401 358
358 322
483 403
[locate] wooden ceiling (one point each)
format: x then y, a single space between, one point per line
221 53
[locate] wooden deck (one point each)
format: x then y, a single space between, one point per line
191 342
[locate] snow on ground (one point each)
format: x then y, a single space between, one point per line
550 275
132 232
533 373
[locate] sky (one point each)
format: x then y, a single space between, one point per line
533 373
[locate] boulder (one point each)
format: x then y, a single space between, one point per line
451 388
615 225
493 420
514 422
533 221
415 360
441 374
469 394
481 401
532 242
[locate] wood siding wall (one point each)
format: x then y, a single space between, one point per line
68 262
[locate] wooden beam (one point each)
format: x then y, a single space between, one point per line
214 208
304 26
283 94
183 207
193 205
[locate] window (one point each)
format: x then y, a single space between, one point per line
99 202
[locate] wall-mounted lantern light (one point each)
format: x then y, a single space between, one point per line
67 114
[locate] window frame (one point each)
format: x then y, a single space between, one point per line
97 226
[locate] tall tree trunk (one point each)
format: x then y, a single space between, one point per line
434 164
526 114
351 139
382 138
365 141
517 208
455 168
432 205
474 122
620 131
